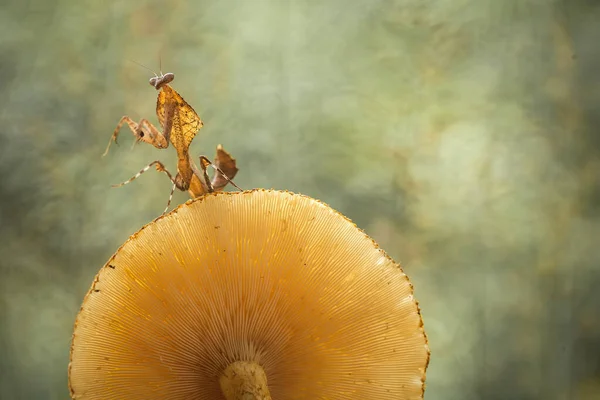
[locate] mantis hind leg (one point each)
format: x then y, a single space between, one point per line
216 182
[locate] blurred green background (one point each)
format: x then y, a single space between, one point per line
461 134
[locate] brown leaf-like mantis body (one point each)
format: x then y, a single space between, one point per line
180 123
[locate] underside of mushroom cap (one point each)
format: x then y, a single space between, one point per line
263 276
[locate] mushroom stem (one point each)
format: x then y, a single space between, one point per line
244 380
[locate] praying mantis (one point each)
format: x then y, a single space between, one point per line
180 124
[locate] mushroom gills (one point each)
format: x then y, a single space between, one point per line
252 295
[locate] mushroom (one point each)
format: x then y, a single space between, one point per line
249 295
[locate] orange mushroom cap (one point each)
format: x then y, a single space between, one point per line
267 277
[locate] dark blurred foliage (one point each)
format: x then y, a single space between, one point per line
461 134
